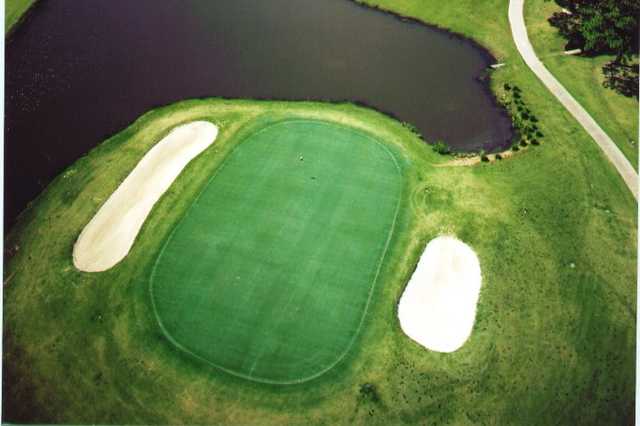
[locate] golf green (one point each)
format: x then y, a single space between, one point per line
269 274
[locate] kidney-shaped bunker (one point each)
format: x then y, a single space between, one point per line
438 306
110 234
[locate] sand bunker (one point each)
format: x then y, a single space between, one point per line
438 306
108 237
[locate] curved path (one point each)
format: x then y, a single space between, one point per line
519 31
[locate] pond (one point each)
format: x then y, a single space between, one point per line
77 72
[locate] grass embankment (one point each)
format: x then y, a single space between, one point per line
554 228
86 348
582 76
14 10
68 332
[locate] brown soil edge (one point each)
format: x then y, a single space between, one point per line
474 160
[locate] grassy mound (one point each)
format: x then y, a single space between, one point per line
553 227
270 272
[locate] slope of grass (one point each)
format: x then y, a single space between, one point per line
14 10
270 272
582 76
556 246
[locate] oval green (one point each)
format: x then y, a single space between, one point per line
269 274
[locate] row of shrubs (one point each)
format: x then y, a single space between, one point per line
524 121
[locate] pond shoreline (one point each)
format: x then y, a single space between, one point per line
484 79
402 70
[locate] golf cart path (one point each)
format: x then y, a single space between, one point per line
613 153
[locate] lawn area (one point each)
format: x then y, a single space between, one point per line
554 228
582 76
13 12
69 334
270 272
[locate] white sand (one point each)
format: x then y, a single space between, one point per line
108 237
438 306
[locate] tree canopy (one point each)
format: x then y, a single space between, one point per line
604 27
600 26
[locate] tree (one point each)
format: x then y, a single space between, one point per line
604 27
622 77
600 26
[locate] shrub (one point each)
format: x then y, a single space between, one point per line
539 134
498 157
609 27
515 148
535 142
368 391
507 86
523 143
484 158
441 148
621 75
411 127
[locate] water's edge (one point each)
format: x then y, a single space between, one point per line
408 71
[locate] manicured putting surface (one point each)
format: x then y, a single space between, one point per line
269 274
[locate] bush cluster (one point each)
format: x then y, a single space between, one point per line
441 148
368 392
524 121
411 127
604 27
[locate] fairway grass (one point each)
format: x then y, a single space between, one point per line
269 274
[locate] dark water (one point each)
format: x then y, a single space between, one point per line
79 71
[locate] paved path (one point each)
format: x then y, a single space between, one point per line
519 31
